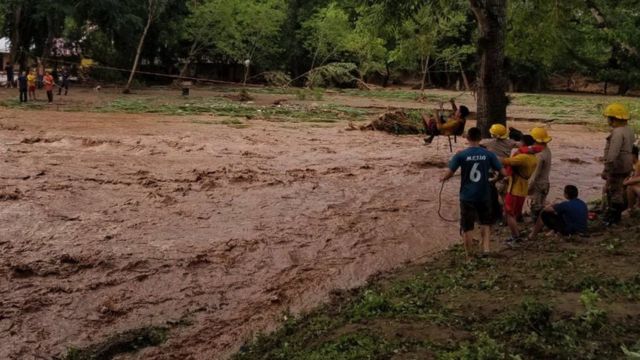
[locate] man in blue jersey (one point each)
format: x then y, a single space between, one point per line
476 164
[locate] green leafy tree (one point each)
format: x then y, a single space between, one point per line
435 37
326 34
238 30
154 8
367 47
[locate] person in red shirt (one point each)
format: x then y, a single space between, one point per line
48 86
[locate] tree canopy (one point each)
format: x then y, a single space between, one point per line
433 41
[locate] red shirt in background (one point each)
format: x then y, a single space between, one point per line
48 82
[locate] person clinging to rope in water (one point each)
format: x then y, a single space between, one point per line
441 126
476 164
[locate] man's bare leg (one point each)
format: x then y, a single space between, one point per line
537 228
486 238
512 222
633 193
468 243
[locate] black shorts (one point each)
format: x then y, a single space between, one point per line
472 212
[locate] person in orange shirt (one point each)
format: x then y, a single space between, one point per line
48 85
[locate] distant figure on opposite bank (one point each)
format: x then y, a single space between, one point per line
23 86
48 86
10 75
31 84
64 84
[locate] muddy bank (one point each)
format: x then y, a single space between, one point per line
112 222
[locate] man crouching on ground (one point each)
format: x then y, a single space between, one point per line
475 200
566 218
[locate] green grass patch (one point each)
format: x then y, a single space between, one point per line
550 299
127 342
222 107
576 109
30 105
401 95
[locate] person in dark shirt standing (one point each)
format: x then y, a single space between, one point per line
56 76
566 218
10 75
476 164
65 81
22 86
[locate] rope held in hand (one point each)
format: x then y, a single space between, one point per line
440 206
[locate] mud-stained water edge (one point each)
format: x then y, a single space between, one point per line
113 222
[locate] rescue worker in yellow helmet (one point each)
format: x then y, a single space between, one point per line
539 182
618 160
501 145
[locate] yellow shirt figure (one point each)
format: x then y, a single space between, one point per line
449 127
523 166
31 80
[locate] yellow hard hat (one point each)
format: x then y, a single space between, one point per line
499 131
618 111
540 135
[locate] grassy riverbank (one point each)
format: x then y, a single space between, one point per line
550 299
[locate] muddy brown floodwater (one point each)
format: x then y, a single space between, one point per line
110 222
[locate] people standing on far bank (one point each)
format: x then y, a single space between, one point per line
65 81
23 86
10 75
48 86
31 84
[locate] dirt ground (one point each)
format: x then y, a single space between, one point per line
111 222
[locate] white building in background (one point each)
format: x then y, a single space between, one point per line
5 56
5 50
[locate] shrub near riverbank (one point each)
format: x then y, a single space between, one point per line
550 299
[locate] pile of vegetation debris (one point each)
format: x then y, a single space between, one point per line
395 122
553 298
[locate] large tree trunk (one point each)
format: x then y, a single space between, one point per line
425 71
467 86
15 53
185 68
152 6
387 74
492 100
48 46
